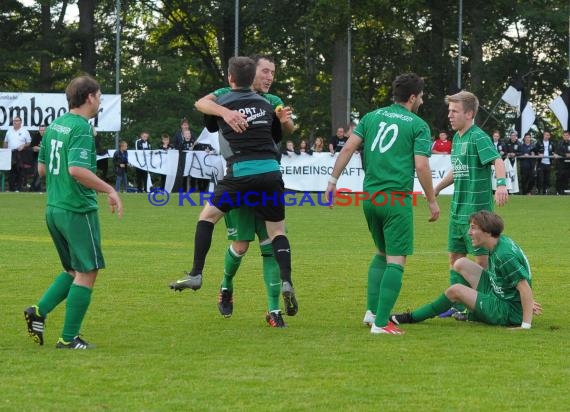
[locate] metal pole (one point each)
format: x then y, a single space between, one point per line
459 43
348 65
236 28
117 57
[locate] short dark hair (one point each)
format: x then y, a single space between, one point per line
242 69
489 222
257 57
79 89
406 85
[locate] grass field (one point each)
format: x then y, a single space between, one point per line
161 351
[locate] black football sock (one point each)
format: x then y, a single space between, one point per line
282 253
202 242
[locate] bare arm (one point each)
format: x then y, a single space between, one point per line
285 117
445 182
42 169
501 194
423 171
527 302
89 179
342 160
233 118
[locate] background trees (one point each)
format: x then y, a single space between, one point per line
174 51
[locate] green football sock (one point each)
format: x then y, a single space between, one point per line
375 272
231 265
389 292
55 294
440 305
271 277
455 277
78 301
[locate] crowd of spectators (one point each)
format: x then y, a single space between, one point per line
535 159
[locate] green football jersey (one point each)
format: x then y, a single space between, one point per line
392 136
471 158
508 265
67 142
271 98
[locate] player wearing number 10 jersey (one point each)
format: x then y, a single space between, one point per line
396 141
67 159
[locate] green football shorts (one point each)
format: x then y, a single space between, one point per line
243 224
491 309
458 240
391 227
77 238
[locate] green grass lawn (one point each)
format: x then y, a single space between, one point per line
163 351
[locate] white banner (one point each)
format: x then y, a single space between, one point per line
311 173
36 109
200 164
5 159
300 172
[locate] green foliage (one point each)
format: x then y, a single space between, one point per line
161 351
175 51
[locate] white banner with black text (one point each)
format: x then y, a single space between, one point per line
38 109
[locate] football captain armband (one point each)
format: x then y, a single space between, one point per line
501 181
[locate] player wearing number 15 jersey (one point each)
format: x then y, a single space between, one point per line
396 141
67 159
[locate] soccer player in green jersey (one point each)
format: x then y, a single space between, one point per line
68 161
241 223
500 294
472 154
396 141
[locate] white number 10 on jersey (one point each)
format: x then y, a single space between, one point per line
382 136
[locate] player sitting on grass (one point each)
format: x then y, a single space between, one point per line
498 295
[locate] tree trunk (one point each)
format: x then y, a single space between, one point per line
87 35
46 74
339 87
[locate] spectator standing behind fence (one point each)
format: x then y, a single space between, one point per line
498 143
544 149
164 146
442 145
187 145
35 147
318 145
512 147
120 163
527 164
563 167
337 141
304 147
17 139
178 139
289 148
143 144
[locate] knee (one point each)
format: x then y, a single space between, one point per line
240 247
459 264
452 293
